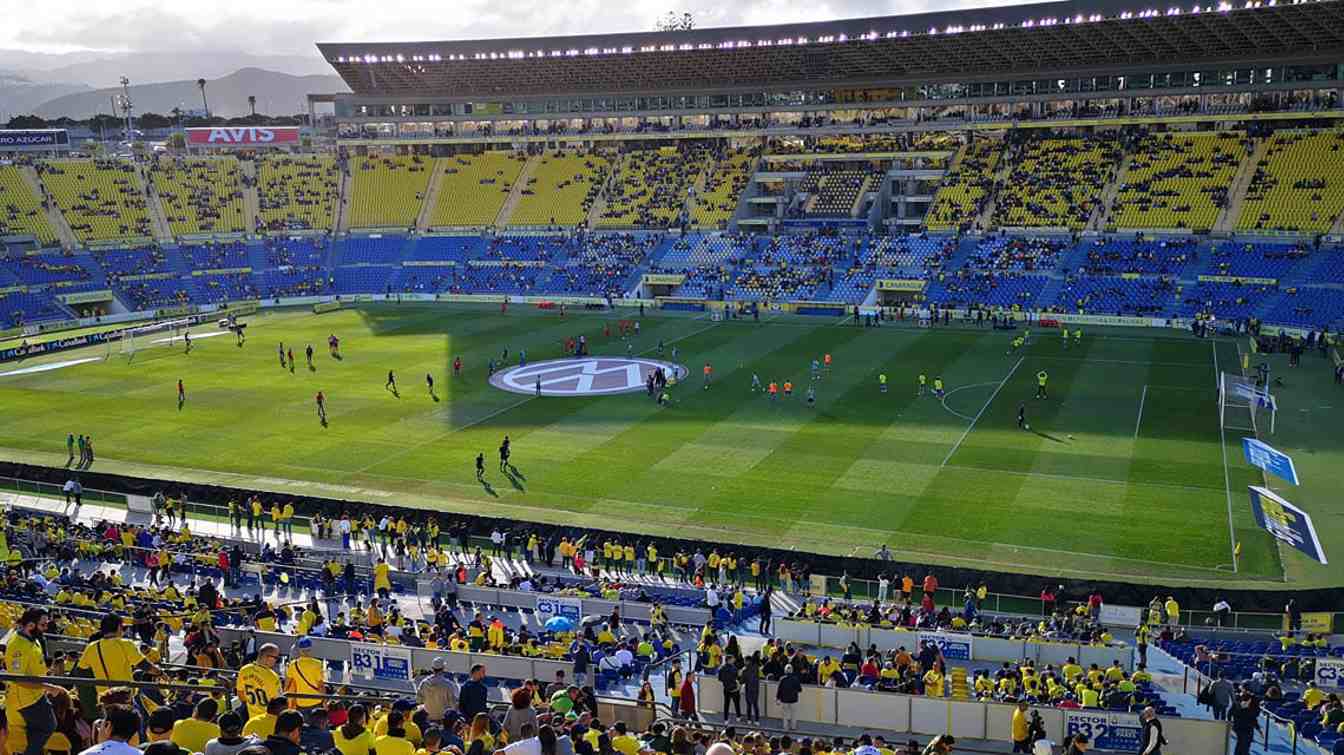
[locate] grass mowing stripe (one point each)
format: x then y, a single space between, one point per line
976 418
1139 422
1227 475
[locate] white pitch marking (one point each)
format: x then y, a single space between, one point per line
49 367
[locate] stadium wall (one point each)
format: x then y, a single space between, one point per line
1116 592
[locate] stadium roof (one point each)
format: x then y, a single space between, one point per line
1036 39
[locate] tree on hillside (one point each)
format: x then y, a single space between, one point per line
204 103
26 121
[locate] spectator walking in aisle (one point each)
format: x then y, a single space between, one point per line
786 694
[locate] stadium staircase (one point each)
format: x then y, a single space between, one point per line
158 219
1054 284
55 219
431 195
1236 193
986 217
1337 227
251 204
516 192
256 257
1101 214
342 220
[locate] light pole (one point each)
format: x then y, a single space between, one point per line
124 100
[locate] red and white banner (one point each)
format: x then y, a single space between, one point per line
243 136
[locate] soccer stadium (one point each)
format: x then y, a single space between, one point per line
965 380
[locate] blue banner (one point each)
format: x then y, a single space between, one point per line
382 662
21 139
1122 732
1286 522
954 646
1264 456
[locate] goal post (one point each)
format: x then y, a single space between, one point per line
1245 406
164 333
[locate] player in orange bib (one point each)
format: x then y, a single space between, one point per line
788 388
773 390
709 372
826 361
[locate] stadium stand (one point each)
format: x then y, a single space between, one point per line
388 190
1298 185
1118 256
835 192
19 308
1056 181
1178 180
100 199
714 203
648 188
561 189
966 189
199 195
21 211
474 188
297 192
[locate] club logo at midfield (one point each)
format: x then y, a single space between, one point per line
589 376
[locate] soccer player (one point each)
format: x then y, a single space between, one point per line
429 381
70 448
923 384
321 407
1077 337
291 360
457 366
1026 335
1041 377
480 466
309 353
281 349
334 345
538 386
491 368
674 352
709 374
1064 330
1022 415
186 338
181 394
788 388
773 390
504 455
816 370
522 357
882 382
826 361
755 382
391 381
811 395
938 386
660 348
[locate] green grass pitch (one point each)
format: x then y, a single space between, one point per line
1122 475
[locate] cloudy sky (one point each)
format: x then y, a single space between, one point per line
292 26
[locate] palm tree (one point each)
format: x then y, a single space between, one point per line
201 83
252 103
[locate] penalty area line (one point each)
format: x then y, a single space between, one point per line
1138 422
978 414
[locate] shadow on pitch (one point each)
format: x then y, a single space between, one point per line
1048 436
489 489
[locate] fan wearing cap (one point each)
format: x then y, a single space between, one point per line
305 676
438 692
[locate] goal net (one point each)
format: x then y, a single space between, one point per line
1245 406
165 333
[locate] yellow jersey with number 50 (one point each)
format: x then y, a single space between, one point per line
257 685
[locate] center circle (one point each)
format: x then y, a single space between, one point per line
584 376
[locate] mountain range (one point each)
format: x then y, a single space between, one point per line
80 85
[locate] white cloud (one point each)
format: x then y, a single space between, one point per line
292 26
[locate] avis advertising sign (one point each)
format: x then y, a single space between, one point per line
243 136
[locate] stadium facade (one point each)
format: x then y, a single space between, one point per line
923 71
